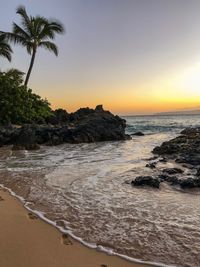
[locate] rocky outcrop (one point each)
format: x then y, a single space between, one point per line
84 126
183 154
185 183
190 182
184 148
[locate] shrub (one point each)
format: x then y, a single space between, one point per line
17 103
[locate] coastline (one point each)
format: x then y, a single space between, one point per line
27 240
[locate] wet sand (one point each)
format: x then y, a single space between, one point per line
25 240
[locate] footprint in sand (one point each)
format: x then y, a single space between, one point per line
1 199
32 216
66 240
104 265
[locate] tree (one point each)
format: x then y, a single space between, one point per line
5 49
34 32
18 104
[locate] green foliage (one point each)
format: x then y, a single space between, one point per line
17 103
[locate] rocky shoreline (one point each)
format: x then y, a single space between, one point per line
183 154
96 125
84 126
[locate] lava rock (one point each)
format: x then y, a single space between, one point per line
198 172
164 160
190 182
151 165
146 180
184 148
172 170
26 139
138 134
173 180
84 126
59 117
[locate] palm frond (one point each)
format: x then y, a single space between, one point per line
56 26
5 49
49 46
15 38
20 31
26 20
6 54
21 10
38 26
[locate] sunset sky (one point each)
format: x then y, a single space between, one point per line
132 56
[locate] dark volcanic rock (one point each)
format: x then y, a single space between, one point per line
99 108
185 183
151 165
173 180
190 182
184 148
164 160
198 172
26 139
138 134
146 180
59 117
191 131
8 134
172 170
84 126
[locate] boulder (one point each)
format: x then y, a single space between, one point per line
190 182
146 180
151 165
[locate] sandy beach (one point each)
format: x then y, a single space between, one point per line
28 241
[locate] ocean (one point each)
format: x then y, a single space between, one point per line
82 189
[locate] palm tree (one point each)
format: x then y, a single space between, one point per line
34 32
5 49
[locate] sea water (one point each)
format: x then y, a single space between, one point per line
84 190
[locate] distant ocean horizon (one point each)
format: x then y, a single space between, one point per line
166 113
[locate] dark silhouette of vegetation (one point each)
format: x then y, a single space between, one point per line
18 104
34 32
5 49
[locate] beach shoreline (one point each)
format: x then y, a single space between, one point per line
26 240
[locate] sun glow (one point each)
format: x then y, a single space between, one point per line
190 80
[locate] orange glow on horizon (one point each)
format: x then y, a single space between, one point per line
178 90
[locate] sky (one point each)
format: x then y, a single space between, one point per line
132 56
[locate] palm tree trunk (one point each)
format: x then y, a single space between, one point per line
30 67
